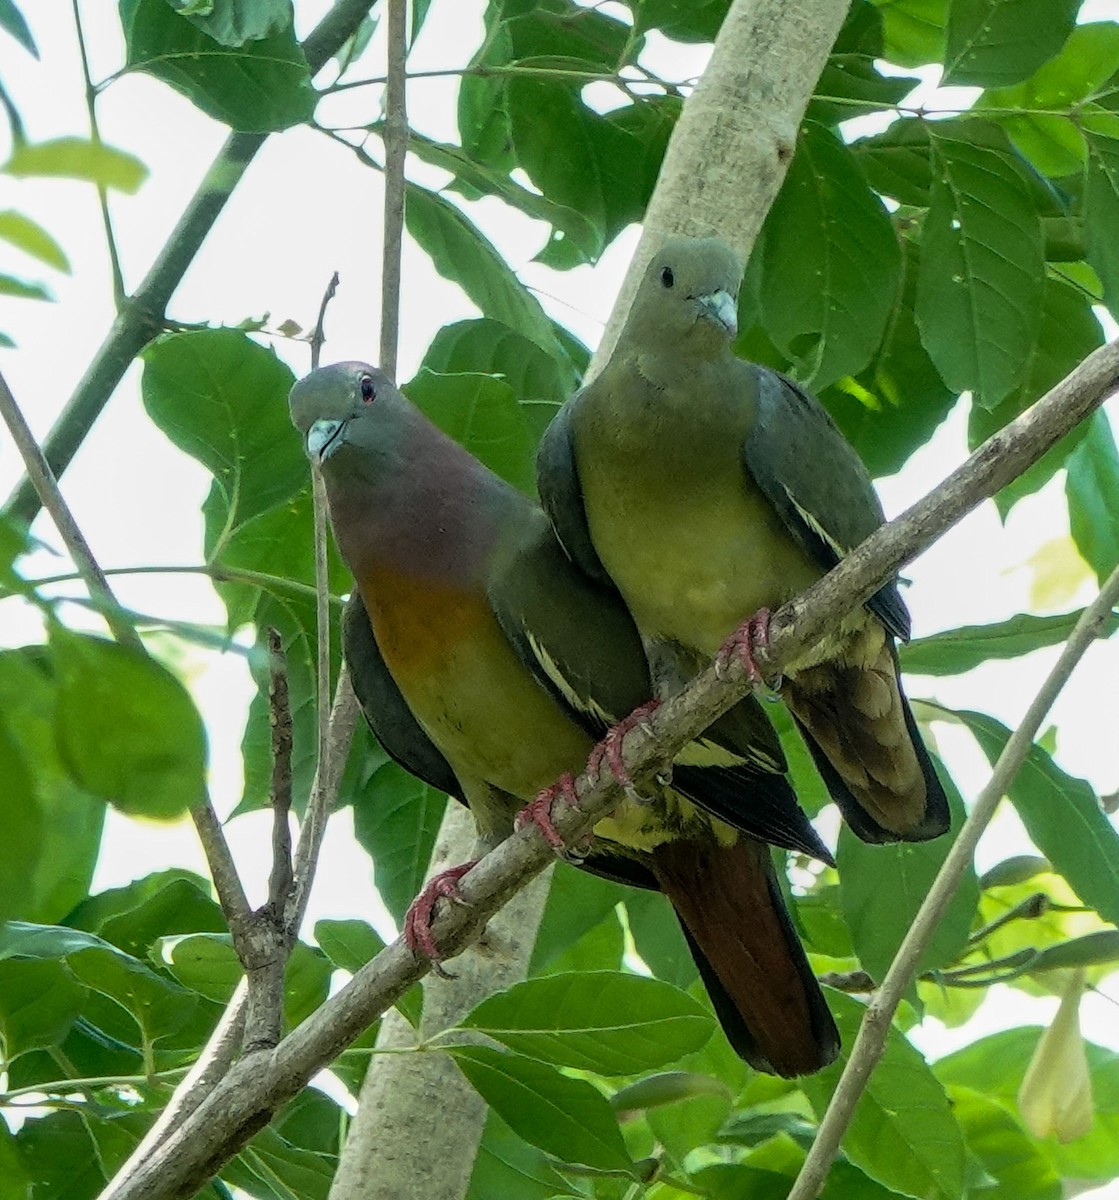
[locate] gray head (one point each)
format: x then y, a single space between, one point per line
348 403
689 293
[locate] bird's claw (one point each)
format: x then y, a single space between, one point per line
750 636
417 920
608 752
538 812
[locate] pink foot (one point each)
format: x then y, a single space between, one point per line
609 750
538 812
417 920
751 635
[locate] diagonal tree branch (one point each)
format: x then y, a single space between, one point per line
871 1040
142 315
245 1100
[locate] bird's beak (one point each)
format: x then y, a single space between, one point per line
721 308
324 438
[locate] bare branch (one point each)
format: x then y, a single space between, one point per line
880 1012
396 151
318 334
258 1085
279 706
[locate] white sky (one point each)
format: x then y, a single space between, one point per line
305 209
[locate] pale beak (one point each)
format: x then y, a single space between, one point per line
721 308
324 438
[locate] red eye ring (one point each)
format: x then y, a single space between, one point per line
368 392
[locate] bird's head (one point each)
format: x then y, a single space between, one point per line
340 405
689 291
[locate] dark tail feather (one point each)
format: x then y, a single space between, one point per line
734 917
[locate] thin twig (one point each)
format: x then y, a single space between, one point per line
279 713
257 1087
318 334
880 1012
396 151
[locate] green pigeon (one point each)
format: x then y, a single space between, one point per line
707 489
488 665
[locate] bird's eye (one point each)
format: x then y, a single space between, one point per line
667 278
368 393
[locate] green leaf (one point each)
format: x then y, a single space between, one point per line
270 1166
979 290
1004 1148
898 162
15 1182
462 254
955 651
914 30
508 1166
997 42
1062 816
995 1066
895 405
730 1181
126 728
657 937
681 20
21 827
1101 212
577 902
1069 332
39 1002
481 413
76 158
903 1133
233 22
1053 143
223 399
882 887
830 266
12 20
61 1157
1091 487
33 239
396 818
158 1006
566 1118
604 1021
258 87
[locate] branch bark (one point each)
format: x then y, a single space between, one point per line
143 314
245 1100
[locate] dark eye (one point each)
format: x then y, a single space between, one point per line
667 278
368 393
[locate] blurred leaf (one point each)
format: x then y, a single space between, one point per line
61 1157
30 237
68 830
599 949
1101 211
481 413
21 828
1062 816
396 818
15 1182
882 887
732 1181
350 945
39 1002
126 728
830 267
76 158
955 651
1027 111
508 1166
1069 332
24 289
979 290
995 42
272 1168
1002 1145
566 1118
658 938
681 20
258 87
223 400
577 902
903 1133
11 19
1093 949
233 22
604 1021
1091 487
462 254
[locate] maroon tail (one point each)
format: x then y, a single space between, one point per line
751 960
